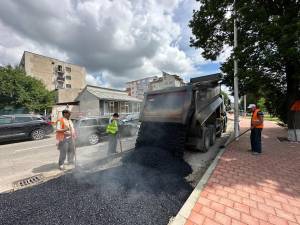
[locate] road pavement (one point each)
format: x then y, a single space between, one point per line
147 186
23 159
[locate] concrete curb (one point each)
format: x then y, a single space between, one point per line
189 204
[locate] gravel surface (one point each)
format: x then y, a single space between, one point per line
148 188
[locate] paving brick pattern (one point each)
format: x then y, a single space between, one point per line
254 190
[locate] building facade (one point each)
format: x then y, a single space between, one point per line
55 74
137 88
166 81
98 101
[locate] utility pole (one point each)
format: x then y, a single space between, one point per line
236 82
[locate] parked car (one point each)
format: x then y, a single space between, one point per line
92 129
23 126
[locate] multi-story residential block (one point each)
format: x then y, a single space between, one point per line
166 81
137 88
55 74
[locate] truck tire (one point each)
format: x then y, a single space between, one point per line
212 138
222 130
204 143
224 127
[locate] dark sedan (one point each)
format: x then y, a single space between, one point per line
92 129
23 126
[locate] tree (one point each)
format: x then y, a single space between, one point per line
227 101
21 91
268 51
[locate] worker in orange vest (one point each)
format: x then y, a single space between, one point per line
65 135
257 124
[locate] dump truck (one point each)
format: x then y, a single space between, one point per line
177 118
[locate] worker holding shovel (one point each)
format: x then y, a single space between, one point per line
112 130
257 125
65 135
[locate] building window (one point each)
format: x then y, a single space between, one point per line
68 69
68 77
59 68
68 86
124 106
111 107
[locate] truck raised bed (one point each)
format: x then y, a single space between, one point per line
177 118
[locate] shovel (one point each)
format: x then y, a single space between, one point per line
120 143
224 146
74 145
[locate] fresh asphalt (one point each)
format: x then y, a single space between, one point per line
148 187
21 159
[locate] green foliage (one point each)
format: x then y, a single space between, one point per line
261 104
268 51
20 91
227 101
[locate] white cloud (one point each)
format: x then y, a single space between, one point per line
119 39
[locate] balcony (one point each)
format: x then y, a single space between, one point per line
59 69
59 86
60 79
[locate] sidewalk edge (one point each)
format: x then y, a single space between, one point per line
187 207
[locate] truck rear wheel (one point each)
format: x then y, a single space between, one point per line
204 143
213 134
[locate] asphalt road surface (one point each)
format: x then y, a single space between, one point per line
27 158
147 186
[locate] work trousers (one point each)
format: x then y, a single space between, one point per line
255 139
66 148
112 143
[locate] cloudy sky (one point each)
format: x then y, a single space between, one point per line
115 40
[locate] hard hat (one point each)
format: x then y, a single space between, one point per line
251 106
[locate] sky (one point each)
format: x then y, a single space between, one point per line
115 40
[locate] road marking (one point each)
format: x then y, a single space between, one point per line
26 149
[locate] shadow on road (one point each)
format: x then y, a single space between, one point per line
45 168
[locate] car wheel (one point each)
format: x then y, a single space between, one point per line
37 134
93 139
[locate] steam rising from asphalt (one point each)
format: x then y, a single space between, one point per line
148 188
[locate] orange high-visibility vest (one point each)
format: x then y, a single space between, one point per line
60 134
255 119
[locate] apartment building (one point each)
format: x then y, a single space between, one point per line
67 78
137 88
166 81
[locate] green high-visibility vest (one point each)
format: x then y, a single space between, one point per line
112 128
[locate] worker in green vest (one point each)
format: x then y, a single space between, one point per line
112 130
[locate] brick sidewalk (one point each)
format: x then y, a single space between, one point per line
249 189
